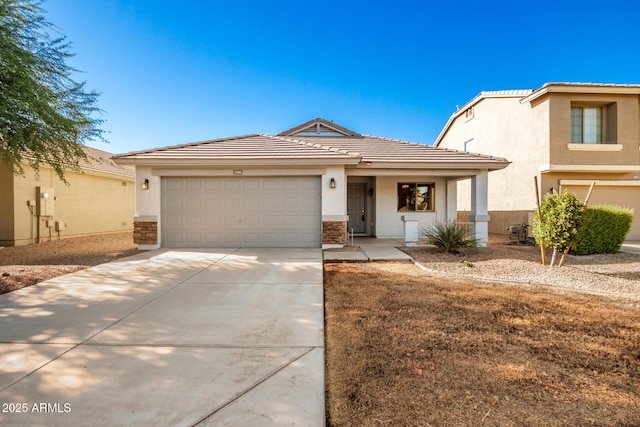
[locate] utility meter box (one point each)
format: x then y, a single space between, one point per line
44 201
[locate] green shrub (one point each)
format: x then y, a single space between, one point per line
558 222
603 230
450 236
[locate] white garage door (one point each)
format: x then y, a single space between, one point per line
241 212
628 197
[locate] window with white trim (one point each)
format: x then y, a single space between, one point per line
416 197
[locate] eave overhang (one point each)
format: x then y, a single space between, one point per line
607 89
240 161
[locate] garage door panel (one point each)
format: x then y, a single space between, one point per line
173 238
251 221
270 220
241 211
173 220
308 202
271 203
210 185
173 204
193 238
193 185
173 185
307 237
210 203
213 239
308 220
289 238
270 239
290 202
251 204
289 220
231 185
270 185
290 185
251 185
192 203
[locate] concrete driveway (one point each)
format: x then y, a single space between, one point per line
170 337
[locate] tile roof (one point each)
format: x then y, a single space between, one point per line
101 161
378 150
248 147
348 148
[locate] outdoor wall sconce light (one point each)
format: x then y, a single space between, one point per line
145 184
332 183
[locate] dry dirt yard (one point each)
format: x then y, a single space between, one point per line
409 347
27 265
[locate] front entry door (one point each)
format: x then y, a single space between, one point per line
356 199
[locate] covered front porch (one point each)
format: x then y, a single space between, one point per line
381 203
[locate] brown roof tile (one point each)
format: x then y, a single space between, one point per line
349 150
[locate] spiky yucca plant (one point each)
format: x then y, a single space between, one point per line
450 236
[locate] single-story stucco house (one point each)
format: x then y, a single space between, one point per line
99 199
304 187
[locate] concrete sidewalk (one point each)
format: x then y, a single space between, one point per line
370 249
632 247
184 337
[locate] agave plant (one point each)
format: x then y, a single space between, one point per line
450 236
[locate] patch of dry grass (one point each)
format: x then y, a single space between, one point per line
405 350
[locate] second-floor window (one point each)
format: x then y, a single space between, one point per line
586 125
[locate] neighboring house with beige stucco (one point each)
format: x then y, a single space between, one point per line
99 200
565 134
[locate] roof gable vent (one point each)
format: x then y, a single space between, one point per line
319 127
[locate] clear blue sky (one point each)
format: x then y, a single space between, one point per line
173 72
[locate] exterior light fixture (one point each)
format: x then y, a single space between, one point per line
145 184
332 183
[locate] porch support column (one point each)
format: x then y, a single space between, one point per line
479 213
334 207
452 200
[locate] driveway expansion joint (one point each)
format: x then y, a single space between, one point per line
256 384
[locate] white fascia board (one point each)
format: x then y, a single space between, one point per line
601 183
584 89
240 162
590 168
432 165
239 171
457 173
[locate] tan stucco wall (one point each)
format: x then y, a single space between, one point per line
534 135
504 127
6 205
626 134
90 204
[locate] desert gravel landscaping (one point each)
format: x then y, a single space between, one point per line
615 274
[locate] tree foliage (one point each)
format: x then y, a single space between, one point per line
45 115
557 224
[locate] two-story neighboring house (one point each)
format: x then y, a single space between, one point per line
566 134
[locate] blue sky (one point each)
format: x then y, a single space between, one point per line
176 72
